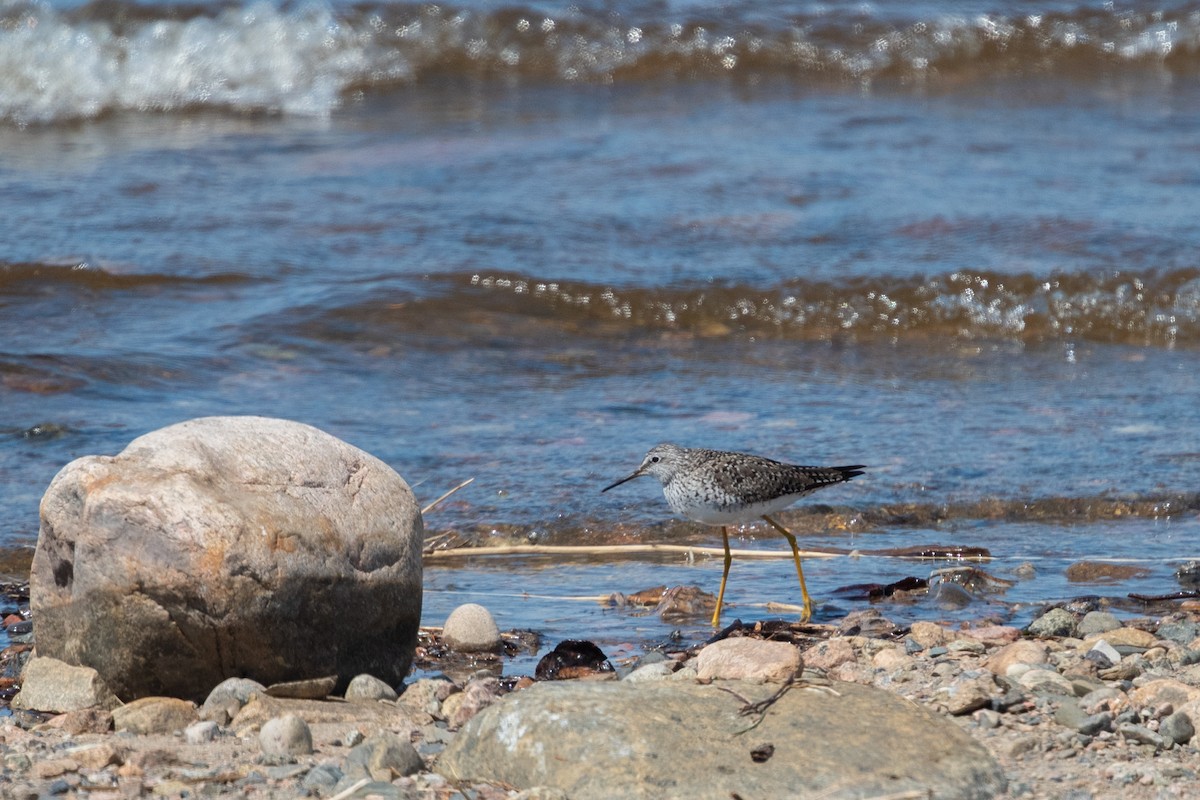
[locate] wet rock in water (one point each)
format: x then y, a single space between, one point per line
829 655
952 596
621 739
383 756
195 554
369 689
684 602
1024 651
154 715
742 658
1103 572
1177 727
470 628
1094 622
288 735
1055 622
1188 575
54 686
227 699
572 658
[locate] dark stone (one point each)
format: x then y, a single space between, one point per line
1188 575
568 658
761 753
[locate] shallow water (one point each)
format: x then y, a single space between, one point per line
955 243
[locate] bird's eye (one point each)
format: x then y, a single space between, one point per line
655 460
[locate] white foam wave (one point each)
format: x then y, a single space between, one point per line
257 59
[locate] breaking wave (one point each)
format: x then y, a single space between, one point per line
111 55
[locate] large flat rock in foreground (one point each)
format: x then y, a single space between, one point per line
676 739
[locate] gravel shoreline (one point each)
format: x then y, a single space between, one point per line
1095 707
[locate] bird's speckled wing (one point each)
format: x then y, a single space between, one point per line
754 479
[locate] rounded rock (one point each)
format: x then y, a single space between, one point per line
470 628
1095 622
201 732
1055 622
198 552
286 736
368 688
1177 727
748 659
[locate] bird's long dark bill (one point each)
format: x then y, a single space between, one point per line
637 474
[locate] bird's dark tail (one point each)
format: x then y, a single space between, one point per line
852 471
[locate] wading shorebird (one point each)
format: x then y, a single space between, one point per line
715 487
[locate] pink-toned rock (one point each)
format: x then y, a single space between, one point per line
968 695
1024 651
829 654
1122 637
892 658
748 659
930 634
1163 690
228 547
478 695
993 635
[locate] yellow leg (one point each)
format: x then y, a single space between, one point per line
805 615
716 620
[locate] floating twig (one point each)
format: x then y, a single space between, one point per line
427 508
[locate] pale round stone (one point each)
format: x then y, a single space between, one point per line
286 736
470 628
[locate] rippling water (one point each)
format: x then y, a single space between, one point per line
954 242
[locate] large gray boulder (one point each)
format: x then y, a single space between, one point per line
675 739
228 547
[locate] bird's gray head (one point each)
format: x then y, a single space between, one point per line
663 461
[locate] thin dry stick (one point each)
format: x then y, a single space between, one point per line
613 549
770 605
426 509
